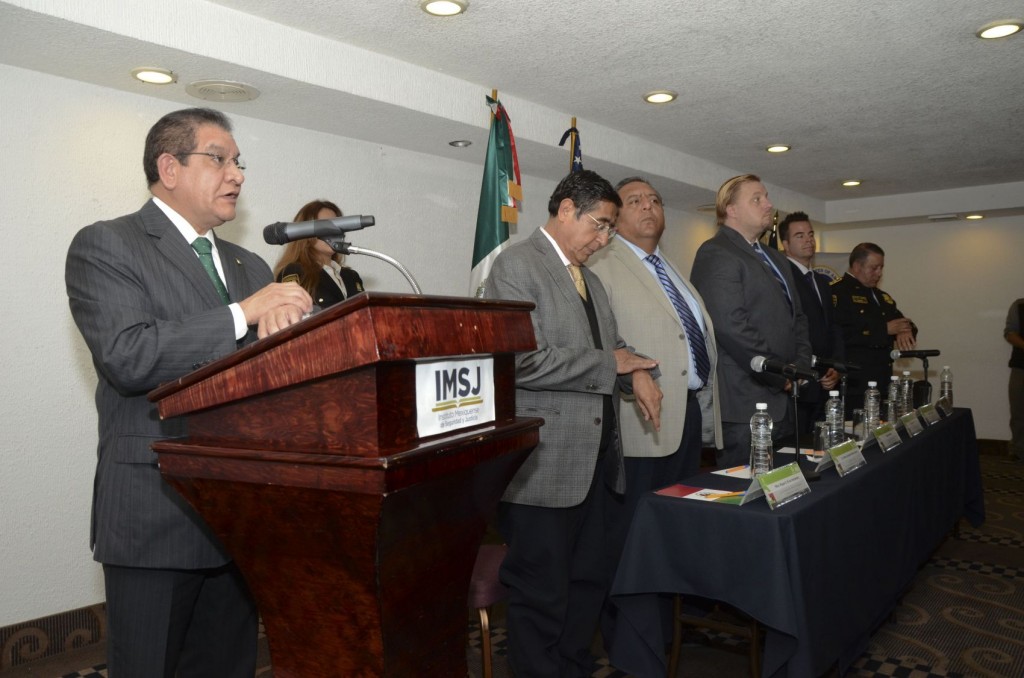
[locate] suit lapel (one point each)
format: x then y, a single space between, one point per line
637 268
171 244
560 278
234 271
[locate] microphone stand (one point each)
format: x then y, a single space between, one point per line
339 244
809 474
928 391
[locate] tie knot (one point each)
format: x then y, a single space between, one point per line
654 259
202 245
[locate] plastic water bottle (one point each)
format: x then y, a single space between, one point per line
906 393
834 419
760 441
892 405
872 408
946 384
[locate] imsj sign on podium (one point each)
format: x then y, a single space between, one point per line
454 394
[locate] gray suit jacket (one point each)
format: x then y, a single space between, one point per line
751 319
650 322
565 379
149 314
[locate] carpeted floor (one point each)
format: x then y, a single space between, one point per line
964 616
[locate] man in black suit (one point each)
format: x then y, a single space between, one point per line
748 290
155 295
824 333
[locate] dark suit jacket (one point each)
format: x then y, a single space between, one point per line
823 331
149 314
565 379
327 291
752 318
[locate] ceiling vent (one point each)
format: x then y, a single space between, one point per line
944 217
222 91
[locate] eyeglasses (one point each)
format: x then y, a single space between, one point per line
604 228
219 160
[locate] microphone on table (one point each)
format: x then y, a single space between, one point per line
837 365
924 353
761 364
281 233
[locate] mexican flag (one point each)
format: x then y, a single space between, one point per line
499 193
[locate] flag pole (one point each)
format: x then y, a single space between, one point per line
572 142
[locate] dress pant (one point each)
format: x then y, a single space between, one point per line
189 623
1016 393
558 571
643 475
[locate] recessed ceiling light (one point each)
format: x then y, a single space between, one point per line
999 29
444 7
660 96
850 183
154 76
974 217
777 148
460 143
222 90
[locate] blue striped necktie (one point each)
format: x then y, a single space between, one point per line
694 335
775 272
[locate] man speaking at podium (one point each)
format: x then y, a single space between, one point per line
156 295
557 510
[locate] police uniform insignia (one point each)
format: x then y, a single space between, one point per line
858 299
888 299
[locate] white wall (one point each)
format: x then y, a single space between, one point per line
72 155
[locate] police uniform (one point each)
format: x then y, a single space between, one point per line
863 313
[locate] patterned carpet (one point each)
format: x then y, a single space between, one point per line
963 617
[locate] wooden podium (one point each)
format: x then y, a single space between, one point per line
356 535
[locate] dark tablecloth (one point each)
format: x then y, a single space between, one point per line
821 573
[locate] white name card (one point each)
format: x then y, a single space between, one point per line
887 437
945 406
847 456
929 414
453 394
783 485
911 423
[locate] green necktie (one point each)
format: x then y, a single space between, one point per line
204 248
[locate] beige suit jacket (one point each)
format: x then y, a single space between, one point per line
648 322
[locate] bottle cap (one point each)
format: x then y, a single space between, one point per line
945 367
833 394
872 384
761 406
906 373
894 378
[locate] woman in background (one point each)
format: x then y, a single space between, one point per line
313 264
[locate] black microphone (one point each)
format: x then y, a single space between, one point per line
837 365
761 364
281 233
924 353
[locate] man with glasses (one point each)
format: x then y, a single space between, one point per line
751 296
156 295
555 513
